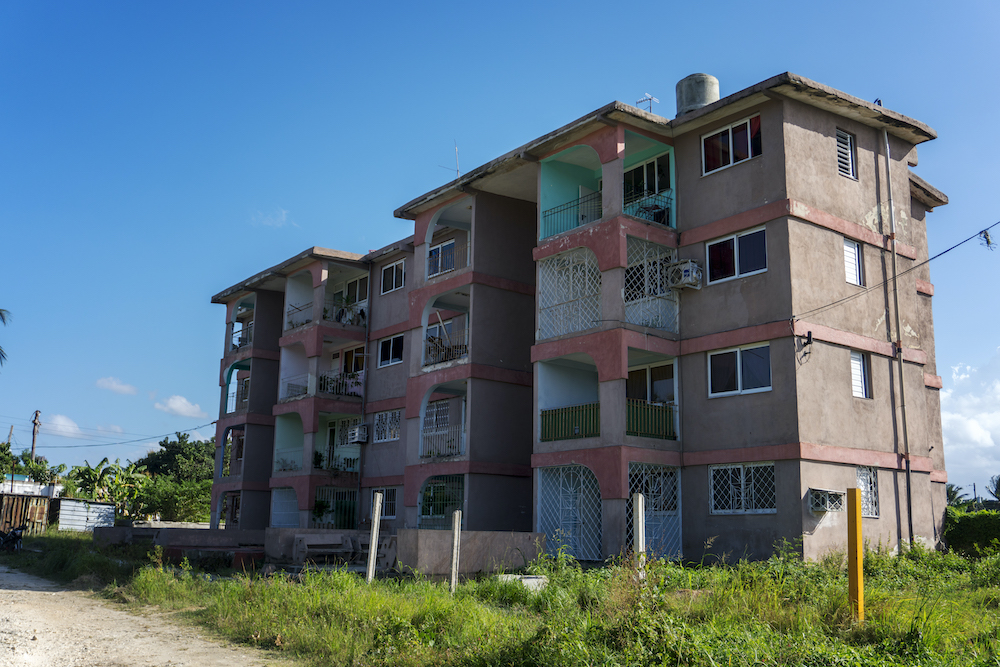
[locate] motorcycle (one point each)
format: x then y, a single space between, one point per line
11 540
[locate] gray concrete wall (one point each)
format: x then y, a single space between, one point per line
497 502
179 537
388 309
499 422
390 381
502 328
255 508
429 551
503 236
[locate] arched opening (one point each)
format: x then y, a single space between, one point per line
446 320
569 511
569 293
661 489
442 419
449 238
243 313
298 300
237 387
568 398
284 508
288 442
570 193
440 496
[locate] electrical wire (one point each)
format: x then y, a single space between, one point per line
113 444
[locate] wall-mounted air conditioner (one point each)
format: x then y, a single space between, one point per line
358 434
685 273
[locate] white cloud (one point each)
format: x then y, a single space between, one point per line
117 386
276 218
970 424
198 435
111 428
180 406
61 425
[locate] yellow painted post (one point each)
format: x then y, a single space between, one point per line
855 555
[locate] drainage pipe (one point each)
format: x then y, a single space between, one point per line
898 343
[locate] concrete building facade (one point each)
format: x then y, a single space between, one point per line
702 309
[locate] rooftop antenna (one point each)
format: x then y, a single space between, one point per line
647 98
458 172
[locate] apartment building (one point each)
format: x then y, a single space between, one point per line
725 311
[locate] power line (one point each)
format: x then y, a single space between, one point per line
866 290
124 442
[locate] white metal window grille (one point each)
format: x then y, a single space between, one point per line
388 502
846 155
439 497
660 487
441 435
569 293
649 302
341 508
341 454
861 385
743 489
387 426
569 511
284 508
868 483
822 500
852 262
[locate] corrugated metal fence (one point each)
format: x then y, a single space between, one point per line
81 515
32 511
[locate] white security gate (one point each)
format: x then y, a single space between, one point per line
649 301
569 293
661 487
284 508
569 511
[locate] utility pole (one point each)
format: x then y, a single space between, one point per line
10 438
34 433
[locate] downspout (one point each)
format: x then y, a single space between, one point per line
364 387
898 343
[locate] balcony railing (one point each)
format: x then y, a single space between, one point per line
237 400
447 258
446 346
243 337
571 214
650 420
442 441
297 385
575 421
339 463
298 314
335 310
342 384
654 207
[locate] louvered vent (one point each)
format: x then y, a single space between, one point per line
846 163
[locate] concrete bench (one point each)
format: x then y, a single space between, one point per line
315 545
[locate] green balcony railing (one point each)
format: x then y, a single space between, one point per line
575 421
650 420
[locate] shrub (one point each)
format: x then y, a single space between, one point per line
971 533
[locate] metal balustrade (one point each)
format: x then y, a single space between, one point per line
342 384
298 314
650 420
574 421
442 440
297 385
446 345
571 215
450 257
243 337
335 310
651 206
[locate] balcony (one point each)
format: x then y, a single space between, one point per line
238 400
575 421
443 345
447 257
571 215
336 309
298 314
243 337
294 386
654 207
342 384
442 440
650 420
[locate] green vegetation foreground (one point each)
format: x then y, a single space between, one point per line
924 608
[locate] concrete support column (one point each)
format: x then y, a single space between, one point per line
612 397
319 298
314 372
612 302
308 447
613 173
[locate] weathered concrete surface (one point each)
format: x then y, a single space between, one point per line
429 551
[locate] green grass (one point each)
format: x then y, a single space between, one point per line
923 608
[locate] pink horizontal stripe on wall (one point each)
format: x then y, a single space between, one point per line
924 287
389 480
735 337
857 341
939 476
933 381
416 475
386 404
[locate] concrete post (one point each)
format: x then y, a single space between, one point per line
373 545
639 532
456 541
855 555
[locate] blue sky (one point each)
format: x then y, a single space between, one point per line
152 154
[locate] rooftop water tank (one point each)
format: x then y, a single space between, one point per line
695 91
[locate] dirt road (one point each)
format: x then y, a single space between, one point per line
45 624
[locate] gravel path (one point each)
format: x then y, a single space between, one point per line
45 624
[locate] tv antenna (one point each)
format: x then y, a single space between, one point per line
458 172
647 98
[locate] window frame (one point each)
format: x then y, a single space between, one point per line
387 493
439 248
861 361
347 289
735 238
390 340
402 275
729 128
743 467
858 264
739 370
649 380
852 154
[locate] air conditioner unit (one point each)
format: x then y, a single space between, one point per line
358 434
685 273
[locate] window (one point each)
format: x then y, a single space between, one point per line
739 255
388 502
743 489
390 351
439 497
647 190
847 163
823 500
392 277
356 291
386 426
744 370
861 385
852 263
653 384
441 258
735 143
868 483
354 360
